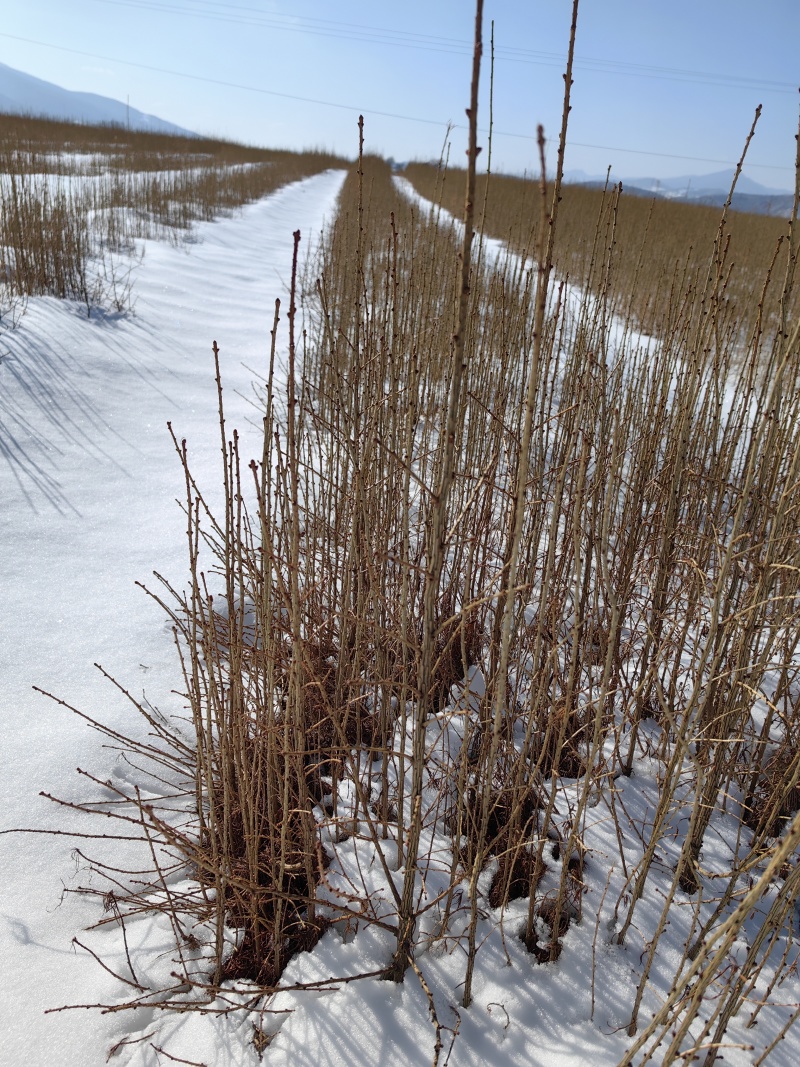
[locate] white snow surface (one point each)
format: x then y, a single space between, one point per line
89 478
88 483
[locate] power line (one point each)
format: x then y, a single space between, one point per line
448 45
227 84
312 26
366 111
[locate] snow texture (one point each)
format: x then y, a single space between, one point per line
88 481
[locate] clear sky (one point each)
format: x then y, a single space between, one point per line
655 79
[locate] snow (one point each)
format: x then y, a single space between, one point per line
577 304
89 477
88 482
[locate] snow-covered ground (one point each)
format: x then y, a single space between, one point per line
576 305
89 478
88 482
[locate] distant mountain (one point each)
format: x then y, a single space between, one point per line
696 185
22 94
778 204
711 189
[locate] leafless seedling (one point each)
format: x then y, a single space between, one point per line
500 551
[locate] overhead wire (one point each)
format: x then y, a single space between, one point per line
429 42
364 110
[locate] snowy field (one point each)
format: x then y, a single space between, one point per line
89 482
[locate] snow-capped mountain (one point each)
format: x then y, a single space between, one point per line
689 185
21 93
711 189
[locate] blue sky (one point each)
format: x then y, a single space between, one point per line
662 88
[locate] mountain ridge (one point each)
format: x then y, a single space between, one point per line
708 189
25 94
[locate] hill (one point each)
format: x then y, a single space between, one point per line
24 94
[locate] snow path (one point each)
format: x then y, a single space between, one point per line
575 301
88 480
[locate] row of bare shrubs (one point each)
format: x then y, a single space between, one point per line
660 248
492 532
43 145
651 531
69 222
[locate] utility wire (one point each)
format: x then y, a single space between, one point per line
364 110
447 45
229 85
